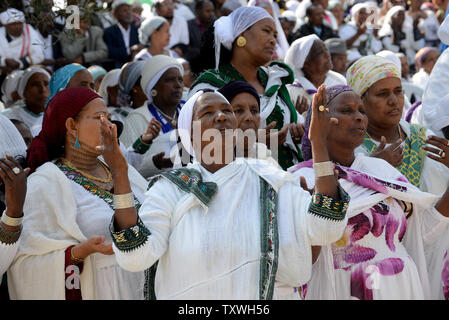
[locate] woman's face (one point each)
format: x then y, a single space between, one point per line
338 13
87 125
319 60
246 110
98 83
350 131
261 41
161 36
188 75
169 88
361 16
213 113
36 91
81 78
384 102
430 60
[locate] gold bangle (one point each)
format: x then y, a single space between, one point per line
123 201
323 169
75 260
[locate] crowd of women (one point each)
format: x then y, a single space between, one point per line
270 177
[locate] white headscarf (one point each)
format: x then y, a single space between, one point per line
11 141
109 80
185 121
10 85
153 69
386 29
26 76
147 28
228 28
443 31
298 52
281 39
11 15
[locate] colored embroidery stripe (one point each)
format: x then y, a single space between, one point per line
9 237
131 238
329 208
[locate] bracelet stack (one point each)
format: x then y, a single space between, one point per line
123 201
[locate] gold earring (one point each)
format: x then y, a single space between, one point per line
154 92
241 41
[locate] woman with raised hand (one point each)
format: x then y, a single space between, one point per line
162 83
227 228
65 250
240 48
392 227
13 188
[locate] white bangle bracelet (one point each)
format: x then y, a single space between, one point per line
323 169
123 201
12 222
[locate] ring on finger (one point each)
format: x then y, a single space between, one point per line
321 108
16 170
442 154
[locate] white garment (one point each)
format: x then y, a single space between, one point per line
59 213
179 31
436 89
215 253
421 78
21 112
429 26
126 35
144 55
332 79
136 123
27 46
7 254
184 11
349 30
423 228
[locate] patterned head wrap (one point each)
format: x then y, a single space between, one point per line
61 78
331 93
368 70
49 144
421 55
129 75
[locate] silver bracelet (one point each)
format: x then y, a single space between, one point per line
323 169
123 201
12 222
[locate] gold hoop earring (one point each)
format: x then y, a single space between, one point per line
154 92
241 41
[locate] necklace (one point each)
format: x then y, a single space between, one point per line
88 176
173 119
399 132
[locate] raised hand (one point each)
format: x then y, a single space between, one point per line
296 131
393 154
321 120
301 104
161 162
153 129
441 153
15 180
110 148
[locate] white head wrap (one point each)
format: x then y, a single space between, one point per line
292 5
153 69
443 31
298 52
26 76
289 15
118 3
11 15
442 112
147 27
386 29
228 28
10 85
185 121
281 39
109 80
300 11
11 141
387 54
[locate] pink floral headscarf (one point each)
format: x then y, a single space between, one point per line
368 70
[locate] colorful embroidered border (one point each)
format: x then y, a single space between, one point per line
9 237
148 288
140 147
329 208
131 238
191 181
269 240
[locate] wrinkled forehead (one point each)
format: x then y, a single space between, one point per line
344 98
209 99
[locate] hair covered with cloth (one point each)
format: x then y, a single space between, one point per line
128 77
61 78
11 142
228 28
331 93
49 144
233 88
368 70
298 52
147 28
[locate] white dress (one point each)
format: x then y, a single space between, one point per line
58 213
420 78
214 252
7 254
22 113
382 255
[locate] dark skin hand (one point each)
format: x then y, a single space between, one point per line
393 154
15 189
301 104
161 162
